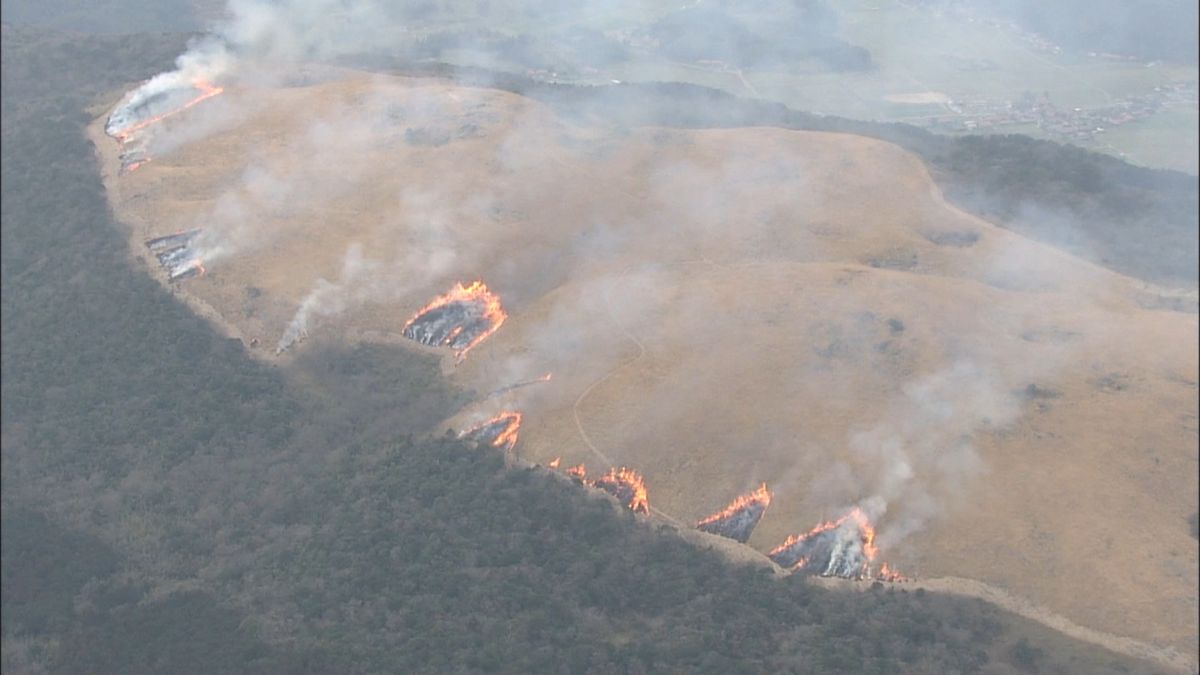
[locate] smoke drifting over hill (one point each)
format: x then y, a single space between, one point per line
922 451
677 276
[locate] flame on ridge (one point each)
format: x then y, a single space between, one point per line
508 438
738 520
627 485
843 548
760 496
500 431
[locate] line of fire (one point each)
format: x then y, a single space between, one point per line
624 484
627 486
738 520
842 548
142 111
837 548
498 432
175 253
460 319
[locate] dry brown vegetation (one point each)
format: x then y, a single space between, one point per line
722 307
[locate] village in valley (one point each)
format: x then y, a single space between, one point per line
980 113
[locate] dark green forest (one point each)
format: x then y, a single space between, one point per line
171 505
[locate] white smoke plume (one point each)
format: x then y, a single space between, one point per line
922 452
263 43
326 298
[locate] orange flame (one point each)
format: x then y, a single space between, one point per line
555 462
207 91
614 483
796 538
866 532
888 573
864 526
476 292
760 496
507 438
639 501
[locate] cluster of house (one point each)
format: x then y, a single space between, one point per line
1068 124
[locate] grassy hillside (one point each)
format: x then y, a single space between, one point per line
752 332
171 505
1137 221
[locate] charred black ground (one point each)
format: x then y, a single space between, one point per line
738 525
454 325
839 551
176 254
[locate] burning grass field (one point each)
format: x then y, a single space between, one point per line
718 308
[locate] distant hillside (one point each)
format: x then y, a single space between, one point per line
1149 29
758 34
1137 221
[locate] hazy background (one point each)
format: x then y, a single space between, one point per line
971 66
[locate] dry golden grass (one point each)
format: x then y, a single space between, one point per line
723 307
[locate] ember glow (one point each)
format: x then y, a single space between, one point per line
498 432
460 319
837 548
555 462
737 521
627 486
